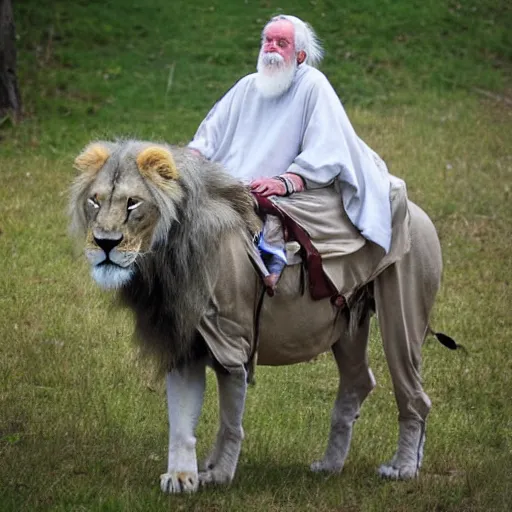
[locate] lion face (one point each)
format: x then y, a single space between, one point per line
121 225
119 201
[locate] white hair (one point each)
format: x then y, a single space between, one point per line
305 38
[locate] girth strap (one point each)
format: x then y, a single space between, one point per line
320 285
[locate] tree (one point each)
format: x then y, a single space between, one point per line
10 102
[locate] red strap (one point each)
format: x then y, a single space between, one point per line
320 285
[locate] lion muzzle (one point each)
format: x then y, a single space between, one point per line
107 244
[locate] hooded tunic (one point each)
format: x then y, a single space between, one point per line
305 131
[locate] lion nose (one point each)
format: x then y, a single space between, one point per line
107 244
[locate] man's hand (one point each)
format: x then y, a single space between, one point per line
283 185
268 187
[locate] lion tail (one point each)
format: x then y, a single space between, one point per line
446 340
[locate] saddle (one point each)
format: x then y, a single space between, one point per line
320 285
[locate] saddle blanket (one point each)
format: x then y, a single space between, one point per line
348 258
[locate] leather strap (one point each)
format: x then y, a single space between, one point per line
320 285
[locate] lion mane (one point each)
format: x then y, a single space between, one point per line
197 204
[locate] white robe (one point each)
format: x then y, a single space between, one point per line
305 131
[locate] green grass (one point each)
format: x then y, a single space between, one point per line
83 425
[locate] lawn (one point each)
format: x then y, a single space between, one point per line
83 423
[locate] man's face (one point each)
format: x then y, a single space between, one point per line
277 62
279 38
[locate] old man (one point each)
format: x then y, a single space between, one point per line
283 130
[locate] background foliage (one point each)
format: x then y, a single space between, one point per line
82 425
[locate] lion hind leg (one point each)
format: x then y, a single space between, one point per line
185 392
403 323
407 460
220 466
356 382
404 297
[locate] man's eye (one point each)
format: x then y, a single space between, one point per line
282 44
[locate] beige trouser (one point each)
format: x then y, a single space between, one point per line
404 297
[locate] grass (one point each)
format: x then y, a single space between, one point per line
83 426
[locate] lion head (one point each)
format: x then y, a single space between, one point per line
124 201
150 215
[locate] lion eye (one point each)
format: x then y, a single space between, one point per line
133 203
93 202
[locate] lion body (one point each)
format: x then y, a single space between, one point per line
231 323
172 233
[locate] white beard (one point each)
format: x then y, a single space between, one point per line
274 76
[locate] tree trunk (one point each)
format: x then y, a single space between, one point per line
10 102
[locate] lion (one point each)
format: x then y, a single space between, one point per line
173 234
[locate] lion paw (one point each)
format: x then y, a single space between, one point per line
179 481
207 464
215 477
326 466
398 473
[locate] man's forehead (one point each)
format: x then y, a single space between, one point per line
280 29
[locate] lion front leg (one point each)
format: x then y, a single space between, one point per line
185 392
220 466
